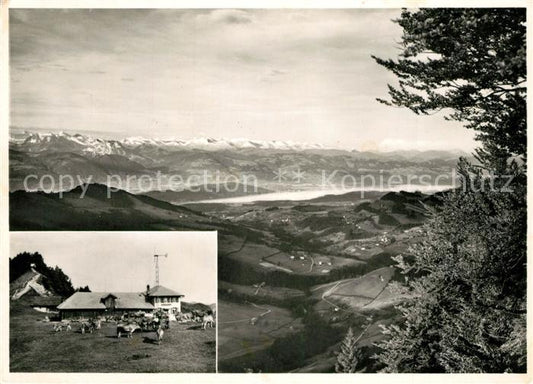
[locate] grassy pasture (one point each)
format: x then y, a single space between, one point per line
252 253
370 290
238 336
35 347
264 292
312 264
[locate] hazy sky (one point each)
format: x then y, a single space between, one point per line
300 75
123 261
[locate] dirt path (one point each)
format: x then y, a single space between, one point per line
247 320
238 250
378 295
322 286
264 259
268 310
234 321
328 292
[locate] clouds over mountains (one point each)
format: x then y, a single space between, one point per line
301 75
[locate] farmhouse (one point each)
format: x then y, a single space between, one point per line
162 297
92 304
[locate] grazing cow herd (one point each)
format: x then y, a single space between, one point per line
129 323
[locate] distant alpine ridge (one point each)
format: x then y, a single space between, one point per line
35 142
274 165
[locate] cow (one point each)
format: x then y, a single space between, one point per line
88 327
84 328
128 329
159 334
208 320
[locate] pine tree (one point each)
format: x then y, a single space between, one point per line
466 289
349 355
466 293
469 63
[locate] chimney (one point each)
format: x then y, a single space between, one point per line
147 288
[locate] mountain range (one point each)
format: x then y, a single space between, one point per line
35 142
178 165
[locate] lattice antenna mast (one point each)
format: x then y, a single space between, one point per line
156 261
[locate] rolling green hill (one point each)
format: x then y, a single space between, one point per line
95 211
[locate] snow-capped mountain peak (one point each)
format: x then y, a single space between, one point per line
36 142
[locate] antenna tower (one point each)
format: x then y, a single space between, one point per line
156 261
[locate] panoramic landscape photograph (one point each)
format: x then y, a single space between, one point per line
363 172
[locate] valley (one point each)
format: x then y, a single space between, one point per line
293 276
328 265
297 264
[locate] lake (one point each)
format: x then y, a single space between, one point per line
313 194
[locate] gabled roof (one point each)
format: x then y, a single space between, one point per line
93 300
159 290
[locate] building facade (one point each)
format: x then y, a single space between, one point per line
93 304
164 298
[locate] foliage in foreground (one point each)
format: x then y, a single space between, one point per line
470 63
467 287
467 280
349 354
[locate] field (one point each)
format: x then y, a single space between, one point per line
260 291
356 294
240 335
35 347
266 257
337 255
309 263
251 253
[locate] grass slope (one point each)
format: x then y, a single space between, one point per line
95 211
35 347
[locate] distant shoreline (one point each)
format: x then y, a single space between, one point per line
313 194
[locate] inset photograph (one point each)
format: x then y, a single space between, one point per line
113 301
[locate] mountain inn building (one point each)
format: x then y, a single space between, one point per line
92 304
162 297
